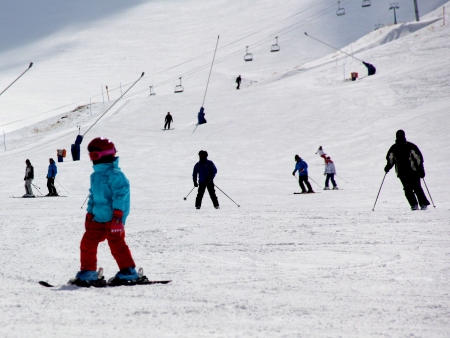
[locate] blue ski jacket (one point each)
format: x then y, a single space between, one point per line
110 189
52 170
301 167
206 171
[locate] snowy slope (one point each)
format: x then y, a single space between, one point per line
283 265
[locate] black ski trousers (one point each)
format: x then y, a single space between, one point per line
201 191
167 125
304 179
413 190
51 186
327 180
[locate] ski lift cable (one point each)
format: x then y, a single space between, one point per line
281 32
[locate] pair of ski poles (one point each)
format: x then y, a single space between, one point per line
55 187
217 188
423 179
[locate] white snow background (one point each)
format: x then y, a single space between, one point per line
280 265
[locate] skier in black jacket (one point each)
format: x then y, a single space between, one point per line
29 176
169 119
371 70
408 162
206 171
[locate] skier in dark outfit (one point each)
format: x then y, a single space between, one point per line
238 81
302 168
370 68
201 116
169 119
206 171
29 176
408 162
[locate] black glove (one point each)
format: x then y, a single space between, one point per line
24 178
386 168
195 184
293 174
421 172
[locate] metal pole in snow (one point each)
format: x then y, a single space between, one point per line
443 14
120 88
103 96
4 139
90 105
416 10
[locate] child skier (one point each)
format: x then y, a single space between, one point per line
107 211
330 171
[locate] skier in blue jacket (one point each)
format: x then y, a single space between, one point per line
302 168
107 210
206 171
51 175
201 116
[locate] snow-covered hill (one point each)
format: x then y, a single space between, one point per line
322 265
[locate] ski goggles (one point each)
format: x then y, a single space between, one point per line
95 155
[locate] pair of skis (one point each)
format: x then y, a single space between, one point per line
112 282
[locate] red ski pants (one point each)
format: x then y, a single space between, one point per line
96 233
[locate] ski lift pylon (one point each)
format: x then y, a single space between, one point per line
248 56
179 88
152 93
341 10
275 47
366 3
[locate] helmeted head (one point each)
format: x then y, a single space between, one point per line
203 154
101 150
28 162
168 113
51 160
328 158
297 158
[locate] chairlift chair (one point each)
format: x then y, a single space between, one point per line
179 88
366 3
341 10
275 47
152 93
248 56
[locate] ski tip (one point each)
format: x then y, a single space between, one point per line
142 74
31 65
45 284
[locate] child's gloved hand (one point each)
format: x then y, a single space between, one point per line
116 223
87 222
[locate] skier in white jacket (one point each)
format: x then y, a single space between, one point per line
330 171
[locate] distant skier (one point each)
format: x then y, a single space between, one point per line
370 68
408 162
302 168
206 171
107 210
238 81
29 176
330 171
201 116
321 153
51 175
169 119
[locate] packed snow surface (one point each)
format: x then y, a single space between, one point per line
279 265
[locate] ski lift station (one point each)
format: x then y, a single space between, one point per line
341 10
248 56
179 88
275 47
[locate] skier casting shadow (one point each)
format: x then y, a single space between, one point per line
408 162
168 120
206 171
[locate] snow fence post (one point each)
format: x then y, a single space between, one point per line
4 139
90 105
103 96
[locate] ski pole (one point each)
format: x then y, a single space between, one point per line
341 178
61 185
309 177
379 192
85 200
428 192
188 194
114 103
226 195
332 46
39 189
31 64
